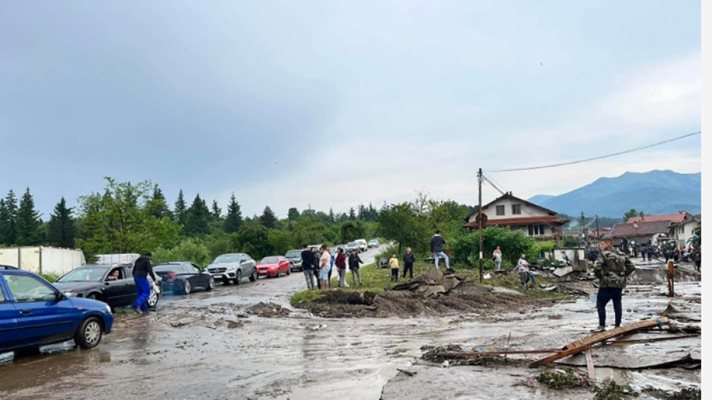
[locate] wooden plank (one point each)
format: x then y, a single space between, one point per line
583 344
589 364
458 355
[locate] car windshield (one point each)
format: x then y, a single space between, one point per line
90 274
227 258
352 244
270 260
165 268
293 253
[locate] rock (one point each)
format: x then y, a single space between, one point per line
434 291
450 283
433 276
267 310
181 322
503 290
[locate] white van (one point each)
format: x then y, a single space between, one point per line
362 244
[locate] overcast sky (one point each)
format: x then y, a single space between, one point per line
336 103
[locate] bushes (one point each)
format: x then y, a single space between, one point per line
512 243
191 249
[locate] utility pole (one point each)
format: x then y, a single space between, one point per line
598 234
479 215
583 230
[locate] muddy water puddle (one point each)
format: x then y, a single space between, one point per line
205 347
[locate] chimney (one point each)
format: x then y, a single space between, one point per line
635 225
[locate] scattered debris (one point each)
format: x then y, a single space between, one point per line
684 394
318 327
181 322
610 390
567 378
267 310
581 345
561 272
409 373
432 284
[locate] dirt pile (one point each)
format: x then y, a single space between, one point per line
433 294
267 310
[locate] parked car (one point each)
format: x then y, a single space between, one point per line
295 257
183 277
373 243
34 313
273 266
352 246
112 284
362 244
233 267
315 247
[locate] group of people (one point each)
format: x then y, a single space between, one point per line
318 265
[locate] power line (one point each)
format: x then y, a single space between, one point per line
598 157
490 181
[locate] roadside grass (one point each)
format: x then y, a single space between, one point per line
377 280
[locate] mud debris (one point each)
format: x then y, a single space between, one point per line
267 310
567 378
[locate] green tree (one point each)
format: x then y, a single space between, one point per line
268 219
513 243
280 241
8 219
632 213
189 249
332 217
29 223
253 239
352 214
180 209
158 206
352 230
197 218
233 219
215 211
61 229
293 214
119 222
401 222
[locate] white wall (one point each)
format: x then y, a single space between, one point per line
527 210
48 260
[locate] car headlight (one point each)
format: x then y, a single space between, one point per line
108 309
70 294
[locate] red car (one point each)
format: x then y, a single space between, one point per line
273 266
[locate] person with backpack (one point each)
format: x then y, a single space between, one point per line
408 261
354 261
612 268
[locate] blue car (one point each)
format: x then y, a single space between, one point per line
34 313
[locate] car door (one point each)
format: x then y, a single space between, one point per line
43 314
201 279
8 321
128 288
283 265
114 290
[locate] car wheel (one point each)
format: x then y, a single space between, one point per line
92 296
289 271
186 287
152 299
253 277
211 283
89 333
238 277
226 281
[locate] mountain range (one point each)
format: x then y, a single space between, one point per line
653 192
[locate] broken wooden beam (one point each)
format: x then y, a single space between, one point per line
461 355
583 344
589 364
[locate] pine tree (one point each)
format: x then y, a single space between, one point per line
268 219
179 211
215 211
293 214
28 222
332 218
60 229
233 219
158 206
197 218
352 214
8 220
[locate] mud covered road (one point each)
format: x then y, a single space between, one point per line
208 346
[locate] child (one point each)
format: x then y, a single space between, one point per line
393 263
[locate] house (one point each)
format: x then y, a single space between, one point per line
515 213
681 226
641 232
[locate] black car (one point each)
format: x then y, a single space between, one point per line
112 284
183 277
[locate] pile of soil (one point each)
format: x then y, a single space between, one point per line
267 310
451 296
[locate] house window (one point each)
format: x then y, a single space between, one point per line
500 210
531 230
516 209
541 229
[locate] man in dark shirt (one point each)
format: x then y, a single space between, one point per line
142 268
408 261
308 266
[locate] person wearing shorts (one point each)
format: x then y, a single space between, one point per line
325 265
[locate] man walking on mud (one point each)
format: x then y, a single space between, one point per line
408 261
437 247
142 268
612 268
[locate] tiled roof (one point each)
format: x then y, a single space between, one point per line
674 218
544 219
640 228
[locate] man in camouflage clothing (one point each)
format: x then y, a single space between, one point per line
612 268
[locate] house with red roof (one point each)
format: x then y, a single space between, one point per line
680 227
515 213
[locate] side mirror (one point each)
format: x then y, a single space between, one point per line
59 296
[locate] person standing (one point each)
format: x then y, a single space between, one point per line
612 268
354 261
317 269
523 268
497 258
437 247
324 265
308 266
393 263
408 261
141 270
341 266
